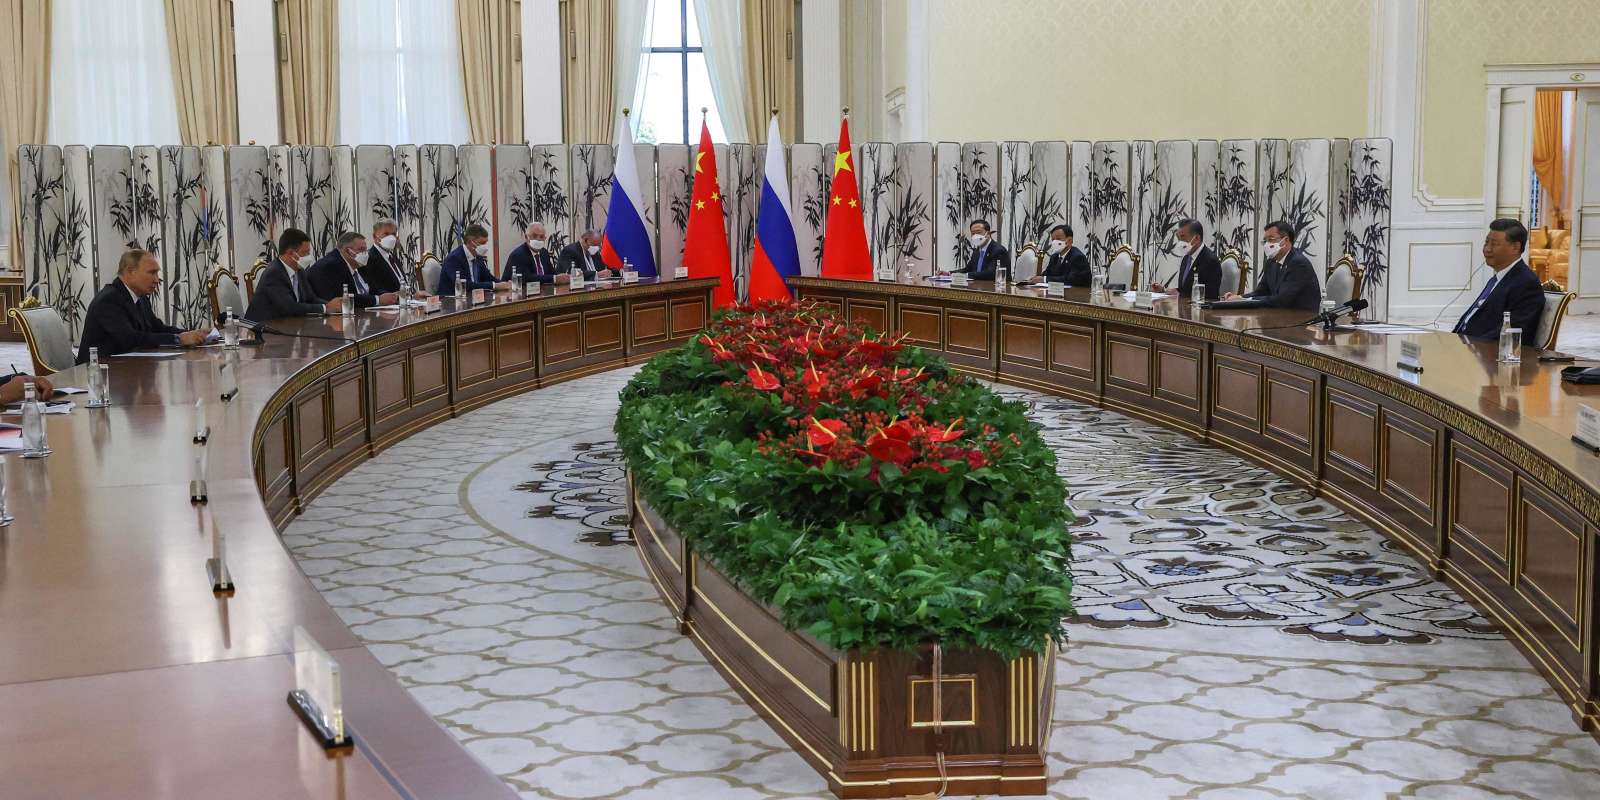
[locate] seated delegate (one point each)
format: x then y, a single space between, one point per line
1198 263
341 268
473 270
283 290
1512 288
1067 264
1287 278
120 318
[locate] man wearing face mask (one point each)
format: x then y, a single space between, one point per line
474 269
1287 277
585 255
987 255
386 268
1198 262
283 289
341 268
1067 264
532 260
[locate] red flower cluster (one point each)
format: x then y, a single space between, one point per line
850 400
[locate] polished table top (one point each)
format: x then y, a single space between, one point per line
120 671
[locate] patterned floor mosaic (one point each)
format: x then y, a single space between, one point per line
1237 638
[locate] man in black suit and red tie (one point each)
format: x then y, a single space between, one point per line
1513 287
1198 263
386 268
532 260
120 319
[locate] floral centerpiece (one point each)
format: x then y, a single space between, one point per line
860 487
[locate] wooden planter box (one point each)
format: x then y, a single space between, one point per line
863 719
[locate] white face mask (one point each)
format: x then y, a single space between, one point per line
388 242
978 239
1180 248
592 249
293 259
482 249
537 244
1056 246
1271 249
361 258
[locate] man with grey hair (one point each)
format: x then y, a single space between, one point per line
531 260
386 266
341 268
585 255
120 318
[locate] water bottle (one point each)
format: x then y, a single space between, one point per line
1097 282
96 394
1197 294
35 442
347 308
1510 340
1001 279
575 278
230 330
462 298
94 358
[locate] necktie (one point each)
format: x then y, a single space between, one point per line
1473 309
294 282
982 251
1183 269
357 283
538 264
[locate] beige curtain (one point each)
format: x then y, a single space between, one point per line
491 68
769 65
1547 152
24 91
308 79
200 38
587 55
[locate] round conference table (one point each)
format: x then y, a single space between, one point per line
122 674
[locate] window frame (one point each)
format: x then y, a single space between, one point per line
684 49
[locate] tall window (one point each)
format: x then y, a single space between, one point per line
673 81
111 74
400 73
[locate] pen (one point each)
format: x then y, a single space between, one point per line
14 370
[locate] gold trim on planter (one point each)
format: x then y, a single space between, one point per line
764 654
911 702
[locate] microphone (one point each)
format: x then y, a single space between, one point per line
1328 317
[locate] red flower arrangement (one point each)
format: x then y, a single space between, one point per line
848 398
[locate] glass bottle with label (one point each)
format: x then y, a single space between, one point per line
35 439
347 305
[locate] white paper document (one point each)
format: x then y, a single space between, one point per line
149 354
1383 328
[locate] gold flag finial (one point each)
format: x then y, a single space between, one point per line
625 111
704 111
847 111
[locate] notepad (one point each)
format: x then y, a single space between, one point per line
149 354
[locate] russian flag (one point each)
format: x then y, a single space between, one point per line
776 257
625 236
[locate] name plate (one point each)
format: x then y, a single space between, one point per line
1588 433
1053 289
432 304
576 282
958 280
680 273
886 274
630 276
1410 356
477 296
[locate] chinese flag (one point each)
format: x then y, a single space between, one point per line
705 244
844 243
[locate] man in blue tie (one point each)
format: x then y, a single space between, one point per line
469 262
1188 243
987 254
1513 287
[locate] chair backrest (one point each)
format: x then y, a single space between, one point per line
428 269
1538 238
49 341
1232 271
1559 239
1026 265
1555 309
223 290
1123 268
1341 283
252 276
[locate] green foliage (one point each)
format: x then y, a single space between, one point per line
972 558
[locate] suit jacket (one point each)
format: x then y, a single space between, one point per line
276 296
981 265
455 265
383 271
117 324
1291 283
330 274
1208 267
574 254
1070 267
534 266
1520 293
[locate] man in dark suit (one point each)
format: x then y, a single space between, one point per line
386 268
1287 278
469 262
120 319
1198 263
341 267
1513 287
531 260
585 254
283 289
1067 264
987 255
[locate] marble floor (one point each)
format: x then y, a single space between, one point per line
1235 637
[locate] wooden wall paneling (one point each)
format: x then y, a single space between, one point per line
1127 361
390 378
1350 437
1023 341
474 359
274 466
1236 396
1479 526
874 313
1549 557
689 315
602 331
430 372
647 323
923 325
1289 412
560 338
1074 358
1411 473
308 415
515 353
969 337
